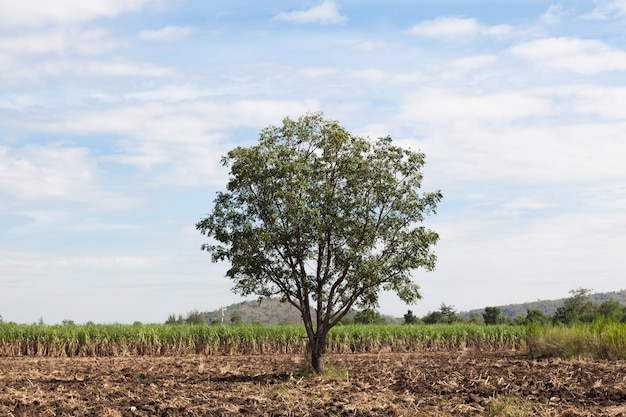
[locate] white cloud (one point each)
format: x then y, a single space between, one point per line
119 68
317 72
171 93
442 107
56 171
19 101
371 75
44 171
91 262
181 122
470 63
546 155
470 69
183 139
520 205
58 41
608 8
595 101
30 13
167 34
553 15
456 27
326 13
409 77
581 56
446 27
368 46
91 226
110 68
541 136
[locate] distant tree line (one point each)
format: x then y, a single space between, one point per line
578 308
197 317
193 317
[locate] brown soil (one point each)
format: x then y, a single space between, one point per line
419 384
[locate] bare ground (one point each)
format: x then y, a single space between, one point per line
467 383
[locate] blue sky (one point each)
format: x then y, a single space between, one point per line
114 115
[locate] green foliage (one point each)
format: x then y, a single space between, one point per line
492 316
236 318
536 317
193 317
576 308
369 316
548 307
434 317
322 219
579 308
172 319
410 318
445 315
612 310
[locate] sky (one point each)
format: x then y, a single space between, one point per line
114 115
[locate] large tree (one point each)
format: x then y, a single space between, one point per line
323 219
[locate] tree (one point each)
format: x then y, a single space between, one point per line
369 316
576 308
410 318
172 319
491 315
445 315
195 317
612 310
323 219
449 314
433 317
535 316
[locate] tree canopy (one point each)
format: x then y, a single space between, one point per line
491 315
446 314
324 219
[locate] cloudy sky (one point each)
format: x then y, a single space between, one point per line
114 115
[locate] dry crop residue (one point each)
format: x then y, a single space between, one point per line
467 383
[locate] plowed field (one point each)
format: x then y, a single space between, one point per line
465 383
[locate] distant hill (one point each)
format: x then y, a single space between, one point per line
545 306
270 311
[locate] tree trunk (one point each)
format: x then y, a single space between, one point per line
318 347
